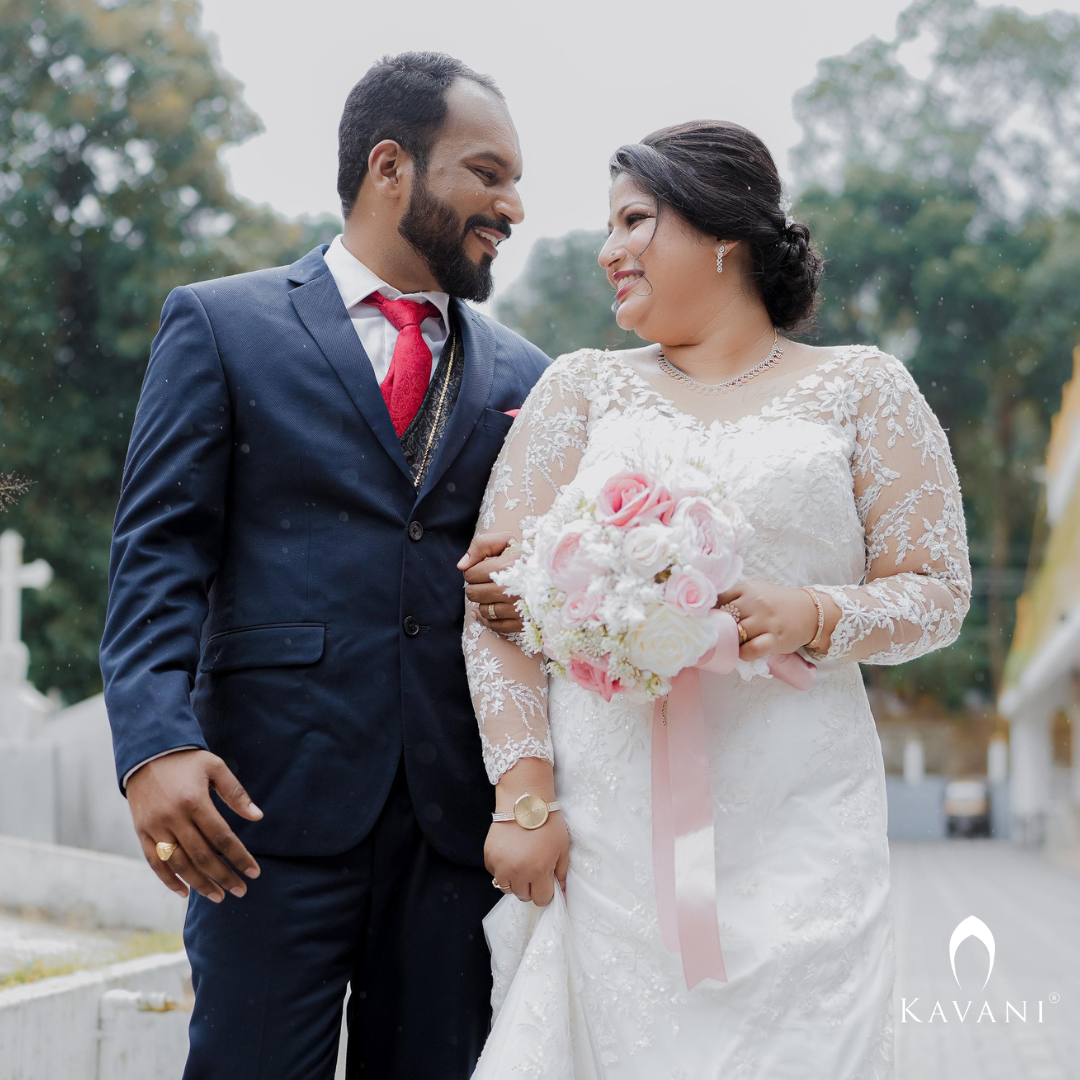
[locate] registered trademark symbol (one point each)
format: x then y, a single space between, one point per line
1054 999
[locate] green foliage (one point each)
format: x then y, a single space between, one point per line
945 204
970 95
111 194
562 301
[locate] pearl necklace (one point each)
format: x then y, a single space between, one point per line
775 353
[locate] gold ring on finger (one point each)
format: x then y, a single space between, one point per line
744 637
491 612
732 610
165 850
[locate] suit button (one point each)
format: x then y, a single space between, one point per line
411 626
416 530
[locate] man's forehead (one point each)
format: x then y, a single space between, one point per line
476 115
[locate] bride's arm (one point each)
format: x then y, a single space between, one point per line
918 582
509 687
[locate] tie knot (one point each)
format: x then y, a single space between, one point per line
402 313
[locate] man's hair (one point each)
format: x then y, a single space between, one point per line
401 98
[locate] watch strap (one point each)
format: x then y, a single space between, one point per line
509 814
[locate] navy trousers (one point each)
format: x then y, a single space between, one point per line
391 916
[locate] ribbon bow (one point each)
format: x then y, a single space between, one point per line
684 851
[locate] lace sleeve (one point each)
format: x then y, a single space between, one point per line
917 586
540 455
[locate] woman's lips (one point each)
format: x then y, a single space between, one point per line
627 285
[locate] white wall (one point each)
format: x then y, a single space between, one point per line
105 890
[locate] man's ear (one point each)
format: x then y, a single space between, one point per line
389 169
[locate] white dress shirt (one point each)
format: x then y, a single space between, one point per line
354 282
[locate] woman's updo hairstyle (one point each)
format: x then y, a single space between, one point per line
722 179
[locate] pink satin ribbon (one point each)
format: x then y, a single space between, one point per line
684 848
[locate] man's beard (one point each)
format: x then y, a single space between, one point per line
435 233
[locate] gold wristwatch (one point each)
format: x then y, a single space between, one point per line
530 811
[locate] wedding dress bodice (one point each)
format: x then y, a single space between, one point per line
844 473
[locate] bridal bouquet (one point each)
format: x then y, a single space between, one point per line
619 591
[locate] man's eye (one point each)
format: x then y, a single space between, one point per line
487 175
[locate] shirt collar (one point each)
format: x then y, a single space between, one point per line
355 281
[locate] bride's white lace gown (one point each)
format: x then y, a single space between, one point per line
848 481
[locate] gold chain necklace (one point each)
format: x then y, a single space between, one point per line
775 353
438 410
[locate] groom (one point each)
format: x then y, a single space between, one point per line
285 611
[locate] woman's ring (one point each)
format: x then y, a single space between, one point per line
744 637
501 888
491 613
732 610
165 850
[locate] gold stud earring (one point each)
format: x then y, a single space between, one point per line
720 259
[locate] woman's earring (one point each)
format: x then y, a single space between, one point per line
720 260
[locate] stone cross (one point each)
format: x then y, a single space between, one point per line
14 577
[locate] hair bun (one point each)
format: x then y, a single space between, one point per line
789 276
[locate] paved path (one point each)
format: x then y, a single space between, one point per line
1032 907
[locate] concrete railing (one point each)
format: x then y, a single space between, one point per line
123 1022
104 890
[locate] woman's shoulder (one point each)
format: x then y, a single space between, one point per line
870 367
581 369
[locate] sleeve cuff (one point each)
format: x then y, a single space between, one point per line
164 753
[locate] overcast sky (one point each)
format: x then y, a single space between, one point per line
580 79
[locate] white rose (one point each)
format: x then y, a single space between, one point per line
645 549
666 642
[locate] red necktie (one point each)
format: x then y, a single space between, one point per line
407 381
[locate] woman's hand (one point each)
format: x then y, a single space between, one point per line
530 861
779 619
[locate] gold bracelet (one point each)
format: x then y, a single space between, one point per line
812 644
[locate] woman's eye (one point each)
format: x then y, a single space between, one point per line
635 219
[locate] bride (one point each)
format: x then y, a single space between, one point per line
858 555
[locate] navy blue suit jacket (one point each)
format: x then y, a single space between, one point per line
280 593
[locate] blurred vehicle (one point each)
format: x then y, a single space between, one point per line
967 808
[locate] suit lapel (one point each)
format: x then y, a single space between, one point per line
318 303
478 341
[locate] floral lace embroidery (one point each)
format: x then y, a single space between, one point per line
915 586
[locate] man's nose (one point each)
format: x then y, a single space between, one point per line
509 206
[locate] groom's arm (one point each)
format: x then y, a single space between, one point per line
167 543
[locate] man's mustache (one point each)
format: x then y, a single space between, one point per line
479 221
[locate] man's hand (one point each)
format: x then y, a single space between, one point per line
486 555
170 801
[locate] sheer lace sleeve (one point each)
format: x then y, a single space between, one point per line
917 586
540 456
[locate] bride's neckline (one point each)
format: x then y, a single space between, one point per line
786 384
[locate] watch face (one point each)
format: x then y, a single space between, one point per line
530 811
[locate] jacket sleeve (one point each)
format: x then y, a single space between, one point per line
167 539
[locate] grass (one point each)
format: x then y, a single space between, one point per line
134 945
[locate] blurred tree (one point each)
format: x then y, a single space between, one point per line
562 301
986 97
945 169
111 193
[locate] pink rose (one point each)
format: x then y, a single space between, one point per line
708 541
690 592
579 607
568 568
593 675
632 498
